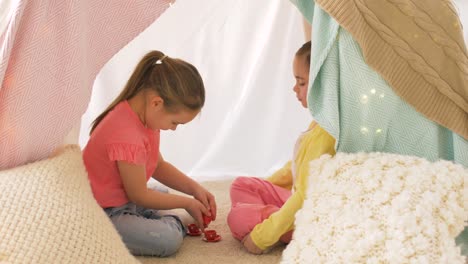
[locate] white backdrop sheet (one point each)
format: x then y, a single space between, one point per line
244 51
462 8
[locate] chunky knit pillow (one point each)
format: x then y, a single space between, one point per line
380 208
48 215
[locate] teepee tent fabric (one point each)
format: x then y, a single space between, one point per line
51 53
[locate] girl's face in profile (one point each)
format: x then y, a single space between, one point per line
158 117
301 73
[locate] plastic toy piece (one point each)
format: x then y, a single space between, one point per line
193 230
216 239
211 236
206 220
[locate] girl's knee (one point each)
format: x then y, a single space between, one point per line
240 224
232 217
170 245
241 183
158 244
150 237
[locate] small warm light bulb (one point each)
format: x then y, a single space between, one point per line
364 99
364 130
373 91
378 131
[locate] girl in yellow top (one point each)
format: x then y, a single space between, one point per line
262 211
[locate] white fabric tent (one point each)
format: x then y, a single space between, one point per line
462 7
244 51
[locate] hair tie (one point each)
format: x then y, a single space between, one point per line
161 60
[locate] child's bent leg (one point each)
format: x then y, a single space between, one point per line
253 200
181 214
150 237
244 217
251 190
287 237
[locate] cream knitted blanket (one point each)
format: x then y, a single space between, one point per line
49 215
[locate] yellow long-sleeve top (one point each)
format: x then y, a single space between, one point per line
311 144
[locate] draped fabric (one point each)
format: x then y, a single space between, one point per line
354 103
51 52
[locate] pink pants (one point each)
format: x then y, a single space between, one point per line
252 201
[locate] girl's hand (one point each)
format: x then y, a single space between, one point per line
250 246
196 209
207 199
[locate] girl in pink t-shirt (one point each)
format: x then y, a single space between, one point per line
123 153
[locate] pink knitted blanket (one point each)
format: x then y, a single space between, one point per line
51 53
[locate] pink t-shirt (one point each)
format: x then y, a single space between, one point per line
121 136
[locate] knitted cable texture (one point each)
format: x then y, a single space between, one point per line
49 215
415 60
418 48
380 208
437 33
449 4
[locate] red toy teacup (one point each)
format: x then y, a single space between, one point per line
193 230
206 220
211 236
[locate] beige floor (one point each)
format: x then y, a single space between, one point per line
228 250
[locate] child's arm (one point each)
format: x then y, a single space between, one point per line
170 176
312 146
282 177
134 182
271 229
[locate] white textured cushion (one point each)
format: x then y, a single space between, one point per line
48 215
380 208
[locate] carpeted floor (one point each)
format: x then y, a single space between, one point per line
228 250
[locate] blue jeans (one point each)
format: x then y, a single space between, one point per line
145 232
